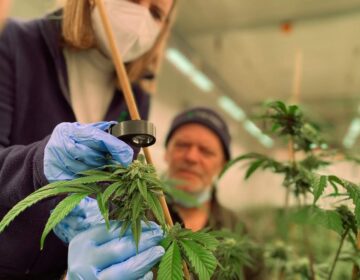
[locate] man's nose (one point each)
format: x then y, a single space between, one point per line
192 154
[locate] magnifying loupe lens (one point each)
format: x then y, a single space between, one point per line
138 133
142 140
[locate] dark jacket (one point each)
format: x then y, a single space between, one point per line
34 98
219 217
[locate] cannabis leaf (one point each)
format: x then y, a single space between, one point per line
196 248
312 215
353 192
203 261
60 212
51 190
127 191
170 267
234 253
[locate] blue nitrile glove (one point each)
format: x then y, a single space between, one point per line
85 215
98 253
75 147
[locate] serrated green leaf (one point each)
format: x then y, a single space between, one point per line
94 172
353 191
137 204
142 189
279 105
91 179
133 187
121 191
275 127
240 158
110 190
60 212
166 242
319 186
253 167
155 207
104 208
202 260
204 238
63 189
120 171
125 225
136 232
313 215
293 109
33 198
170 267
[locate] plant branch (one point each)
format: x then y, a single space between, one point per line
338 253
291 152
356 270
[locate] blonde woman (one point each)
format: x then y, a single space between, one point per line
58 93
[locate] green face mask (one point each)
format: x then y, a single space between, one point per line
198 199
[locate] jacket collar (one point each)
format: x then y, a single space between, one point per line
50 28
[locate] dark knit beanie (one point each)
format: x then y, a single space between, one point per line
207 118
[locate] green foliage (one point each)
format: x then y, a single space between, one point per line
127 194
195 248
300 178
234 253
131 192
51 190
312 215
290 121
171 264
60 212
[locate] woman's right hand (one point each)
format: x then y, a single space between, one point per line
74 147
99 253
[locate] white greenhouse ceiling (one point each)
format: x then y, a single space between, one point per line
249 49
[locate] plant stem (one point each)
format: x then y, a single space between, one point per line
310 253
338 253
307 244
281 274
356 270
292 160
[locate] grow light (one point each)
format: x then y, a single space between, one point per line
230 107
352 134
187 68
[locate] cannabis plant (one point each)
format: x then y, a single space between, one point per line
302 179
235 254
126 194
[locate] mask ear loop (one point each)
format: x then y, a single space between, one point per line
130 100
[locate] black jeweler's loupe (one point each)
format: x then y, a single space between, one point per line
137 133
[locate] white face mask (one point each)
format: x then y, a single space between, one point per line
134 28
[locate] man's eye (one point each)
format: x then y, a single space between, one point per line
207 152
181 145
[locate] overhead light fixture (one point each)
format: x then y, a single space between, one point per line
231 108
183 64
352 134
258 134
266 141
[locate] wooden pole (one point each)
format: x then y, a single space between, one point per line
295 98
129 99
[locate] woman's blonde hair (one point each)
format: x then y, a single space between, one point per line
78 33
